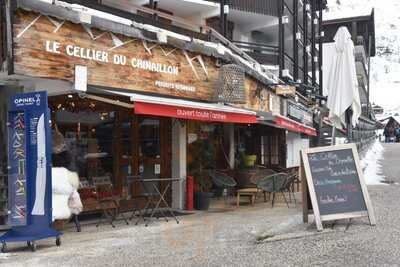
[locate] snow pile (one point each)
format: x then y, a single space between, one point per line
371 164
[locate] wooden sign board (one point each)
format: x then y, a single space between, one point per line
285 90
48 47
332 178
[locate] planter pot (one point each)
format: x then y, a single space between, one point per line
249 160
202 200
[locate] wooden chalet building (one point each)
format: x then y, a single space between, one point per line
135 86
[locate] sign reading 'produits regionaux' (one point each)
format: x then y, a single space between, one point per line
335 183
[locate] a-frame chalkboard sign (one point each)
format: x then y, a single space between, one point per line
333 180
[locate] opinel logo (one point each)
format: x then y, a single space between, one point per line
117 43
28 101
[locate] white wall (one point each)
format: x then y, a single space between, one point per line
239 35
178 163
294 144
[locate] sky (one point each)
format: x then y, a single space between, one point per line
385 67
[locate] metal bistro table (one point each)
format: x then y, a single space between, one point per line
151 203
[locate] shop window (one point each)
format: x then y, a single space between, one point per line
126 155
102 142
149 130
88 144
272 149
245 142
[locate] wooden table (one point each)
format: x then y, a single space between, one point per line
249 192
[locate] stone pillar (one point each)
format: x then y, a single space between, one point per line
179 146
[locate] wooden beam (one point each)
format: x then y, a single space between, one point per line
109 101
9 12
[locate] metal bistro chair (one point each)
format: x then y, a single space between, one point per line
109 203
222 180
288 186
274 184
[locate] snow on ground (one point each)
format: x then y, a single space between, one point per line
371 164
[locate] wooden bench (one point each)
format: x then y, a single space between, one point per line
249 192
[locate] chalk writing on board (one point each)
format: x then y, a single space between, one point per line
343 172
332 200
327 182
347 187
320 169
336 182
332 158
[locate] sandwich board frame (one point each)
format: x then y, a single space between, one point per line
309 193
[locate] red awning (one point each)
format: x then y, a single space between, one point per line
214 113
294 126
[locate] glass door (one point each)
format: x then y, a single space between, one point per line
150 159
126 169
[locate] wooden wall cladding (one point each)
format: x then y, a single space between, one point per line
257 95
50 48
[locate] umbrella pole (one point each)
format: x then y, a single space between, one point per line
333 136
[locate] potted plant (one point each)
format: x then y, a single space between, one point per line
202 160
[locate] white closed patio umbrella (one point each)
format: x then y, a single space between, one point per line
342 82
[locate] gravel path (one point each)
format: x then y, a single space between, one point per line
228 238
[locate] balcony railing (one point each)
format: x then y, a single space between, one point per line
263 53
266 7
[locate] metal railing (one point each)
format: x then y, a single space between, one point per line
266 7
258 47
263 53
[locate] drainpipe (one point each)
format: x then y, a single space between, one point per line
281 39
222 18
369 73
313 40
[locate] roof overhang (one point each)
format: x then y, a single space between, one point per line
279 121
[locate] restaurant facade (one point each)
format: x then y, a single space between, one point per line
129 99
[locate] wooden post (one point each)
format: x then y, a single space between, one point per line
117 151
9 12
304 190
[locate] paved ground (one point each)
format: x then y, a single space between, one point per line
226 237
